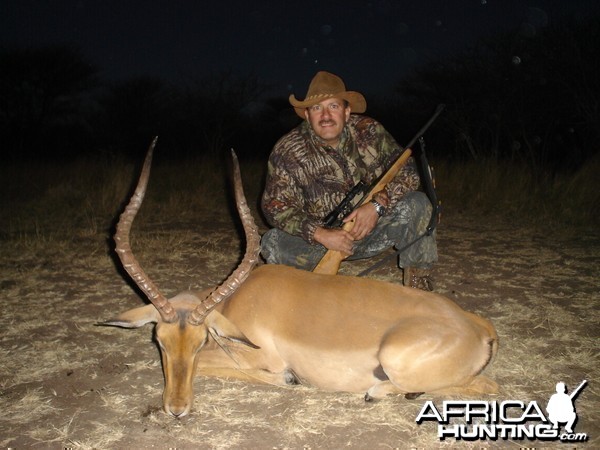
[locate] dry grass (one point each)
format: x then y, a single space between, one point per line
514 190
65 382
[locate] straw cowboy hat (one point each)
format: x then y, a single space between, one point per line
327 85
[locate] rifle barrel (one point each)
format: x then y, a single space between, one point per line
423 129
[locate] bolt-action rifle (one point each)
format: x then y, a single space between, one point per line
330 263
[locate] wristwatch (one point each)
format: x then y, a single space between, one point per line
378 207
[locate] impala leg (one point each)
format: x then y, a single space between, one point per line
383 388
249 375
216 363
380 389
434 355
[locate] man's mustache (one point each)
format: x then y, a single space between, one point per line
327 122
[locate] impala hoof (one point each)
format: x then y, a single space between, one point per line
368 398
413 395
290 377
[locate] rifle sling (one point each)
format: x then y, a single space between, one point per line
435 212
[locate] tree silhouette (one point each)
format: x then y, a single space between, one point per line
42 96
521 98
132 112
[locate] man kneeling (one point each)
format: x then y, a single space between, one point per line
311 169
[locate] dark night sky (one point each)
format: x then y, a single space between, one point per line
370 43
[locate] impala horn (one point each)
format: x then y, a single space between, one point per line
123 248
229 286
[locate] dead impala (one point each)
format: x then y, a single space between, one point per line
284 326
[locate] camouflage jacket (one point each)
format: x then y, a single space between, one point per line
307 179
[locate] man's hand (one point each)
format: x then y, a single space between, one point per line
365 217
335 239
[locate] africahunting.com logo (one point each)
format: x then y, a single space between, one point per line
510 419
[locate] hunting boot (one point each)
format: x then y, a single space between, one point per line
417 278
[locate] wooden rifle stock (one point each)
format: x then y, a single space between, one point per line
330 263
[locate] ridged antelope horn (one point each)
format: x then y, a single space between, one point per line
123 248
239 275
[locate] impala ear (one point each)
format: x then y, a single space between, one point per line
134 318
222 328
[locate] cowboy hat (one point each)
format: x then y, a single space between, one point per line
327 85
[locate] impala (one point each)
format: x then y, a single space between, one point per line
282 326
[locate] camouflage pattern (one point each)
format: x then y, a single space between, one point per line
307 179
405 222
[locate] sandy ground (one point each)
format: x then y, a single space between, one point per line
66 382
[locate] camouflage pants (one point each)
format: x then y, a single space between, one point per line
405 222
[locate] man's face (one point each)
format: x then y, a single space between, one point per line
328 118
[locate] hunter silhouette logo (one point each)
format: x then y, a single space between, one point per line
560 406
472 420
